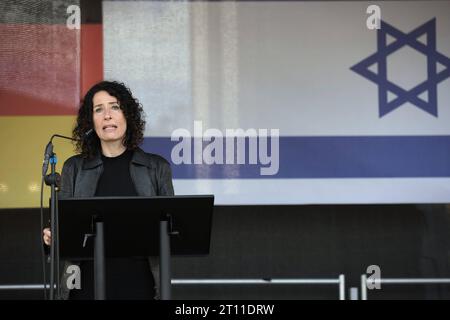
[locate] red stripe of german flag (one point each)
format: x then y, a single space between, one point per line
46 68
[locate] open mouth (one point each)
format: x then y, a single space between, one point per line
110 127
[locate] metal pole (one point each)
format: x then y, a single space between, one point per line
341 287
354 293
340 281
415 281
99 262
254 281
164 253
24 287
363 287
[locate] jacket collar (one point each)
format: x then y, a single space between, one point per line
139 158
91 163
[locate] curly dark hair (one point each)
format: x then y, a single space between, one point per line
88 144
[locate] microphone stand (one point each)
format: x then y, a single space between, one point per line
53 180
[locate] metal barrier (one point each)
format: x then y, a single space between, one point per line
364 282
339 281
23 287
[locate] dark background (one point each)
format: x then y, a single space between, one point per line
406 241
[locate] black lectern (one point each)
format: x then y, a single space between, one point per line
147 224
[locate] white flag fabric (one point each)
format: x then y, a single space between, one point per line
331 110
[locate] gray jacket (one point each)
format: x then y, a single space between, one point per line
151 176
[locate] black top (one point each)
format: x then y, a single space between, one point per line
126 278
116 179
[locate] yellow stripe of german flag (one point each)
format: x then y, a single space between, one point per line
23 142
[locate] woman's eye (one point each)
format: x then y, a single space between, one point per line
98 110
115 107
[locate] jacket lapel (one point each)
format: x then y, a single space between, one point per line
87 179
143 174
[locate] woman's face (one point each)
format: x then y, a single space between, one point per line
109 121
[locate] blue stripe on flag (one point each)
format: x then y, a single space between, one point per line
329 157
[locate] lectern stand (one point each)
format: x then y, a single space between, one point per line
134 227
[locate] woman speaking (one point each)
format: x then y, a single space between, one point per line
109 129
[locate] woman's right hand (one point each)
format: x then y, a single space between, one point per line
47 236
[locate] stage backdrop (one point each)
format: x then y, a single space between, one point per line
330 110
262 102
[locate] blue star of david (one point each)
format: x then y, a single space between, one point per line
385 86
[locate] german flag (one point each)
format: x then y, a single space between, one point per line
51 52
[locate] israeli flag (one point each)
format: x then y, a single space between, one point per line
291 102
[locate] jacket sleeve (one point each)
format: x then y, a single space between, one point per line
68 176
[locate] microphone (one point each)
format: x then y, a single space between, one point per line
49 149
47 154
